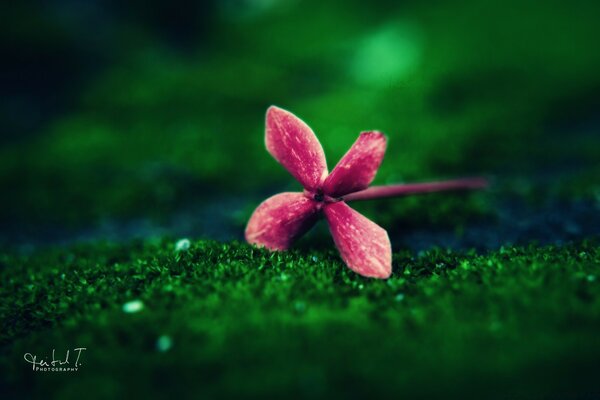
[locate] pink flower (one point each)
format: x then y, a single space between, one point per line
281 219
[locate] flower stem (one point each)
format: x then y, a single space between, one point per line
378 192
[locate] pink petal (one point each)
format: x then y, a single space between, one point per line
358 167
281 219
363 245
294 145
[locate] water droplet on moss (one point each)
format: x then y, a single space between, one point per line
133 306
182 245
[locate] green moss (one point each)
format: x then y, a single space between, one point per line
225 319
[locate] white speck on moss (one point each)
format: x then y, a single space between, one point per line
182 245
164 343
133 306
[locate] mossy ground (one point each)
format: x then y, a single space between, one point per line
513 323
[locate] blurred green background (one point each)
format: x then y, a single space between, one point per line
134 112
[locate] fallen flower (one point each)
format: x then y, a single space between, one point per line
281 219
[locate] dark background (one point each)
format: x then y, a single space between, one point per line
132 119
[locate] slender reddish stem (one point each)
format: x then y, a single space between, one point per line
377 192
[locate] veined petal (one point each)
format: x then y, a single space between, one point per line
281 219
294 145
363 245
358 167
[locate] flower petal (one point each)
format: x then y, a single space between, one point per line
358 167
363 245
294 145
281 219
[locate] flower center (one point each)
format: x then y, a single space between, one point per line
320 197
